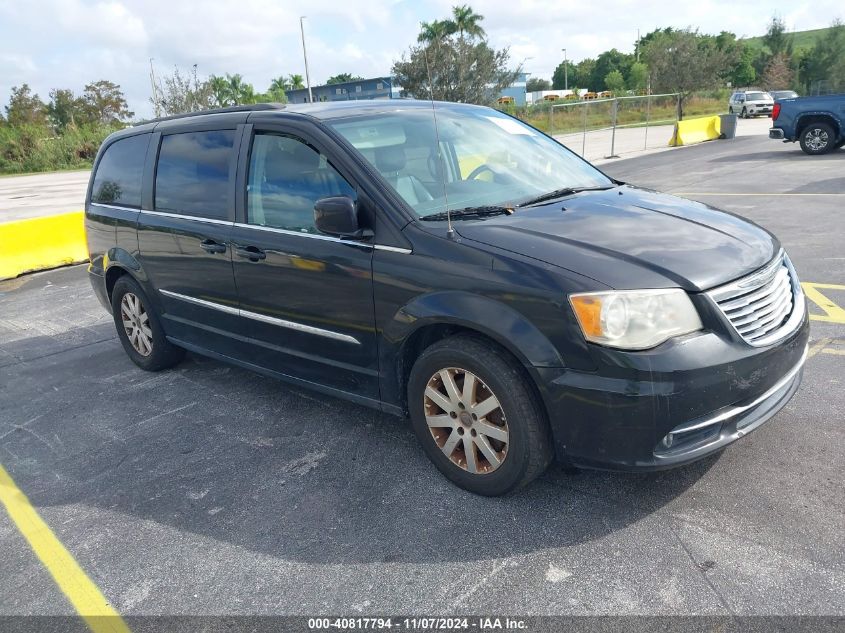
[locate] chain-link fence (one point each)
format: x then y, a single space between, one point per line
633 114
827 87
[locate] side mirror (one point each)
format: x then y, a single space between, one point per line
338 215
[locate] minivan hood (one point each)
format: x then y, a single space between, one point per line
628 237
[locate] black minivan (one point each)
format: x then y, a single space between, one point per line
447 262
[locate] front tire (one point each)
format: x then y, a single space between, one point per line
477 417
139 328
817 138
744 114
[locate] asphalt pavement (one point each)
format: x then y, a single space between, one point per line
208 489
38 195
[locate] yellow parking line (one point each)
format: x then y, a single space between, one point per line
832 312
818 346
830 350
82 593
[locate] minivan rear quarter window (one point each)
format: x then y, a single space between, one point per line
118 177
192 176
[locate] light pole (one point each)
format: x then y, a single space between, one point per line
305 55
565 71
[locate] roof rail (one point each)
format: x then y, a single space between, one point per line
239 108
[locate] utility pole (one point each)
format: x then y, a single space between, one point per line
305 56
156 104
565 71
638 45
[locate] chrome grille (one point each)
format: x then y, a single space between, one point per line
761 306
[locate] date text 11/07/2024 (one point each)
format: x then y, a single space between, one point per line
417 624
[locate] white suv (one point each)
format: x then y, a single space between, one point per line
749 103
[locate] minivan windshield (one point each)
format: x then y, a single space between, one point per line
757 96
485 158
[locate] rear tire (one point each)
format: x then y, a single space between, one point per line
139 328
477 416
817 138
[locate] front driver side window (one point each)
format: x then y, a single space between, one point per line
286 177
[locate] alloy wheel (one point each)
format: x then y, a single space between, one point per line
136 323
816 139
466 420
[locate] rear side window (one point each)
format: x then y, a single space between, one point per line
192 176
119 172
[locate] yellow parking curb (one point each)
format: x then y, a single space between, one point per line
696 130
39 243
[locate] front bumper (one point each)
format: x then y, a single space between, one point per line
776 133
673 405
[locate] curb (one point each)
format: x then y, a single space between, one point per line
40 243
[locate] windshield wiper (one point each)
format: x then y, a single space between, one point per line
469 211
560 193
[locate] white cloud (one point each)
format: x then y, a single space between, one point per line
67 43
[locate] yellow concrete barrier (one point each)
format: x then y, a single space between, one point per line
40 243
691 131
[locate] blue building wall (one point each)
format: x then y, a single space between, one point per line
376 88
517 89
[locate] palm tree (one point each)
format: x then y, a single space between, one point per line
279 83
434 31
234 88
247 95
465 20
219 91
296 82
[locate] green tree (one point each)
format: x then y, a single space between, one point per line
280 83
274 94
560 77
741 72
342 78
536 84
777 40
583 74
637 77
466 21
434 31
25 108
607 62
684 61
219 91
105 103
185 92
823 68
297 82
237 91
615 82
65 109
461 70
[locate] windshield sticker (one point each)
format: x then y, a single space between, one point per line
510 126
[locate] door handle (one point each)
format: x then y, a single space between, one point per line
252 253
210 246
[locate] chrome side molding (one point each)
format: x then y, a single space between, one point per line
291 325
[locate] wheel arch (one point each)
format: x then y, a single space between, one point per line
432 317
808 118
119 262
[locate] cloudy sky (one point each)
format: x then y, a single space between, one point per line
67 43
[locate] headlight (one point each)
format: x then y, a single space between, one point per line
634 319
